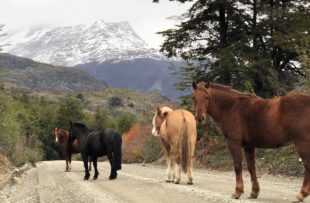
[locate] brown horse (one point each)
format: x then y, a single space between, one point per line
250 122
61 137
177 131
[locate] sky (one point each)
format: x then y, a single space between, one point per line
145 17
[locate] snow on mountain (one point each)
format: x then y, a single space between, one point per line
80 44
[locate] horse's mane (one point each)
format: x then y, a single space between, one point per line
80 126
166 109
64 131
230 90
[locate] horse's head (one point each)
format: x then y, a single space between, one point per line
76 130
160 116
60 135
56 134
201 98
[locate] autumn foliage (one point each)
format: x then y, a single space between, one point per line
133 142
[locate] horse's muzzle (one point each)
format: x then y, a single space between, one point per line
199 119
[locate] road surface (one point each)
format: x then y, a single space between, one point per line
139 183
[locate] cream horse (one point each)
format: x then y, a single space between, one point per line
177 132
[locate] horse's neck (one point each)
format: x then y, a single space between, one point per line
63 136
220 102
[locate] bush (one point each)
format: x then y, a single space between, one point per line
132 144
100 120
152 149
115 102
125 122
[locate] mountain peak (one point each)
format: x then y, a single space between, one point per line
71 45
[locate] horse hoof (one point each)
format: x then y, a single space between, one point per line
95 178
299 198
190 183
177 182
168 181
253 195
112 177
235 196
86 177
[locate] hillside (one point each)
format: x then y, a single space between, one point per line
144 75
141 105
37 76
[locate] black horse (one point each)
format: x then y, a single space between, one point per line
96 144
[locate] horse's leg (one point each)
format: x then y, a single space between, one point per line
190 168
177 165
89 158
170 169
67 165
250 158
169 172
94 158
304 153
236 152
85 160
69 160
113 174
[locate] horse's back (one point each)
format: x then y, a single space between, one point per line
178 119
295 111
274 122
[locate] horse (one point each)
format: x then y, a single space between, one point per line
96 144
177 132
250 122
61 137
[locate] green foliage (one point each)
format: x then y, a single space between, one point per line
125 122
115 102
101 120
69 109
223 43
152 149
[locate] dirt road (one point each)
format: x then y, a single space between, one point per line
137 183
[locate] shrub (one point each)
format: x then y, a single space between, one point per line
115 102
125 122
152 149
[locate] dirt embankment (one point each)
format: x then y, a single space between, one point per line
6 168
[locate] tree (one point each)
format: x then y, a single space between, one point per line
69 109
249 44
101 120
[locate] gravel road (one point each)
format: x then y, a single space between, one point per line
139 183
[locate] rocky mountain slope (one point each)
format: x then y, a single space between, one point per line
112 52
37 76
72 45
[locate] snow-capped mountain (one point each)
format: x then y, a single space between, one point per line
80 44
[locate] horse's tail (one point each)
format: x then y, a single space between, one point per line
184 145
118 151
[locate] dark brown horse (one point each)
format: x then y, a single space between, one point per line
61 137
251 122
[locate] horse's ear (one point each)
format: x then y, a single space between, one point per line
165 114
70 124
208 85
158 111
194 85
